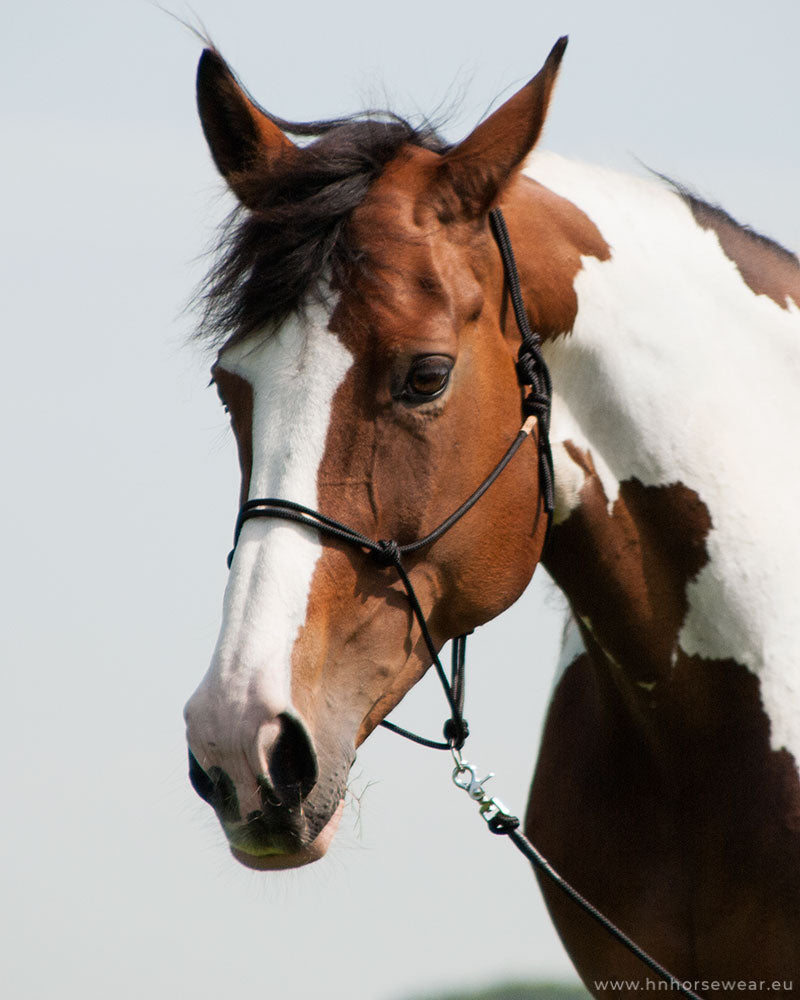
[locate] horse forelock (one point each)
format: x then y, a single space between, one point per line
275 259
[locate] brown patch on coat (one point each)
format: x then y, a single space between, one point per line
597 813
550 235
689 843
637 560
766 267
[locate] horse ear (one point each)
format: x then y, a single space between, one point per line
477 169
244 142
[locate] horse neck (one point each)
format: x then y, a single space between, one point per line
674 417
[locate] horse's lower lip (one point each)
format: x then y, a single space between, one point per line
313 852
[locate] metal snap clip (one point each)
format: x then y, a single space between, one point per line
464 776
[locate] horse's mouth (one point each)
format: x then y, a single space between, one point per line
275 856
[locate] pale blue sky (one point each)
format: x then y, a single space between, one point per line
120 490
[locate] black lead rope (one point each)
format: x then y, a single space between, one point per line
533 375
540 862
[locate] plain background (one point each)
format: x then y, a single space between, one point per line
120 483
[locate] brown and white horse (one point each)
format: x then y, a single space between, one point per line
366 356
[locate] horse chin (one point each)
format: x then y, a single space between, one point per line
296 859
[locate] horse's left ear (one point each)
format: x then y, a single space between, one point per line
244 142
477 169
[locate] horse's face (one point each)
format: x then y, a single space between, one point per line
383 403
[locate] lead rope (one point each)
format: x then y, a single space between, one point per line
502 822
532 373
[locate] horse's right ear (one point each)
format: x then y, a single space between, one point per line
244 142
477 169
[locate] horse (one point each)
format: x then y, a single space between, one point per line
366 354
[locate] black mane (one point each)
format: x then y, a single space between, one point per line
271 259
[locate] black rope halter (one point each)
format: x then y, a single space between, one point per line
534 379
390 553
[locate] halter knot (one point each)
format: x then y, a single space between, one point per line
529 367
387 552
535 405
456 731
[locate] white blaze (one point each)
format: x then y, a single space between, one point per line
294 375
677 372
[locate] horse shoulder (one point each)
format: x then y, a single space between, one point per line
598 813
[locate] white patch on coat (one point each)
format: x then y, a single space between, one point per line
572 647
569 480
569 476
677 372
294 375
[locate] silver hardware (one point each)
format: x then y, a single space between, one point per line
493 807
465 776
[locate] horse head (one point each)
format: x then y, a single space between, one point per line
367 361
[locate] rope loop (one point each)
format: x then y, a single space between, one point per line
529 372
503 823
534 405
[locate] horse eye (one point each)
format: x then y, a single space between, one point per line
428 378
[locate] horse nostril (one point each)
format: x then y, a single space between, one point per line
200 781
216 788
292 761
291 766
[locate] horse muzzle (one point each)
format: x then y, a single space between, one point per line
275 859
292 815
